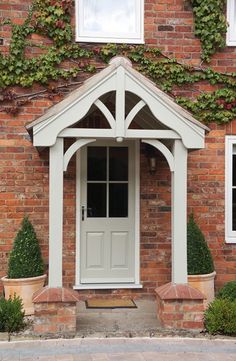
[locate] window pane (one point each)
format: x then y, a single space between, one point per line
106 16
234 169
96 200
118 164
234 210
118 200
97 163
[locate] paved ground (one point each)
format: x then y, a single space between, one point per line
120 349
141 321
94 341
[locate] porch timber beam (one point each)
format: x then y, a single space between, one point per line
109 133
56 213
179 214
152 134
87 133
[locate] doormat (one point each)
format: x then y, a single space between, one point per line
109 303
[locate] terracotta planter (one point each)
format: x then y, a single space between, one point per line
205 284
24 288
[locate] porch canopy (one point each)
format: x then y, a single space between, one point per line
132 107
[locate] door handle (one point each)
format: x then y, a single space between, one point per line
83 211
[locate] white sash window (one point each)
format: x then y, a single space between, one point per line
230 189
231 18
117 21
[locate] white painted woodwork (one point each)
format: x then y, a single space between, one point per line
110 133
47 132
94 246
191 134
137 212
119 250
104 257
56 213
74 148
121 78
179 214
107 245
164 150
107 286
100 35
106 112
230 150
120 103
134 111
231 18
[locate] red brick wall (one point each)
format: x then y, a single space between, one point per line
24 172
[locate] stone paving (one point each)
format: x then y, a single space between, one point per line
94 341
120 349
140 321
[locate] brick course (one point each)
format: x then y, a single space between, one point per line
24 171
180 306
55 311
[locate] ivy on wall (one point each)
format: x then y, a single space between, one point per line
210 25
51 18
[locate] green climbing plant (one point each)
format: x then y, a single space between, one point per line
52 19
210 25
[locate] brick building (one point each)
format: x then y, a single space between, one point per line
63 139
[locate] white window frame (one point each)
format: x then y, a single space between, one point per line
231 19
82 36
230 235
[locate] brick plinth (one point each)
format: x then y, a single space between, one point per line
55 311
180 306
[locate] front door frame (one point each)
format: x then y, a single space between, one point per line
136 283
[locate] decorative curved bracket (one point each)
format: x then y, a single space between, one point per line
134 111
106 112
73 148
164 150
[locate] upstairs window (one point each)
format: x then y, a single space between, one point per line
230 189
110 21
231 18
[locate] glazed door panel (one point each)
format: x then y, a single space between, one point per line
107 213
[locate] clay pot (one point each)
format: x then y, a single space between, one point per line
24 288
205 284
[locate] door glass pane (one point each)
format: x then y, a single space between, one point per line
118 200
234 169
97 163
118 164
96 200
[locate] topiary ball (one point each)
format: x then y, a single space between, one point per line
25 259
198 253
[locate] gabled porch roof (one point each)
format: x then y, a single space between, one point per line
121 78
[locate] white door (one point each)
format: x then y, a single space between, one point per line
107 213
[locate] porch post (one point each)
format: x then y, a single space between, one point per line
56 213
179 214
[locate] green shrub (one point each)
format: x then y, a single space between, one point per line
199 256
228 291
25 259
11 315
220 317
